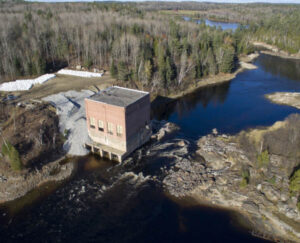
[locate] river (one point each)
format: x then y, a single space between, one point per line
239 104
109 202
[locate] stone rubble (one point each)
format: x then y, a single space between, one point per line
214 176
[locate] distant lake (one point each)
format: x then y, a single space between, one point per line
223 25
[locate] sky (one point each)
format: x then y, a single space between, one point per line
216 1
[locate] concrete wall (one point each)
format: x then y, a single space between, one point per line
106 113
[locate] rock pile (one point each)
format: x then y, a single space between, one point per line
215 176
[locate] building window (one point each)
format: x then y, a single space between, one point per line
110 129
119 130
100 125
92 122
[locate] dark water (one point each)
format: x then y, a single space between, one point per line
239 104
128 210
223 25
105 202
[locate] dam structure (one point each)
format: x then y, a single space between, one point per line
118 121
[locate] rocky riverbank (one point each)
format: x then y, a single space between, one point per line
16 185
248 173
31 148
285 98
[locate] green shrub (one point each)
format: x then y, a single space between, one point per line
295 183
244 183
245 178
12 154
263 159
272 180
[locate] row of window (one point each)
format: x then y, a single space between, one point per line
110 127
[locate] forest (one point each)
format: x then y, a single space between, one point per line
135 45
136 42
280 30
275 24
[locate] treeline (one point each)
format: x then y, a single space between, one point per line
275 24
156 50
281 30
232 12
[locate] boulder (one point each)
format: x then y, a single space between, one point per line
251 207
270 193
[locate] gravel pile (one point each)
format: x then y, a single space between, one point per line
72 119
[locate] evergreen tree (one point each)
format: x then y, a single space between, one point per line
123 73
13 156
113 69
211 62
162 67
148 70
170 72
227 63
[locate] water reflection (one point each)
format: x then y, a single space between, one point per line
102 204
285 68
215 95
240 104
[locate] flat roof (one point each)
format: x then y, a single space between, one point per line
118 96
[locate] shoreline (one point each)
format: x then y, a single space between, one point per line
285 98
14 188
245 64
271 53
239 216
275 51
242 219
215 181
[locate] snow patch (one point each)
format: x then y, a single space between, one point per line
80 73
25 84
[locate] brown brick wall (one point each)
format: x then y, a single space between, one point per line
137 116
106 113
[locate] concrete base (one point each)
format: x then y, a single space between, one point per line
106 152
135 142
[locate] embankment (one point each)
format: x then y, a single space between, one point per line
35 145
244 64
248 173
275 51
16 185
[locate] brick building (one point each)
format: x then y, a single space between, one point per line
118 121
